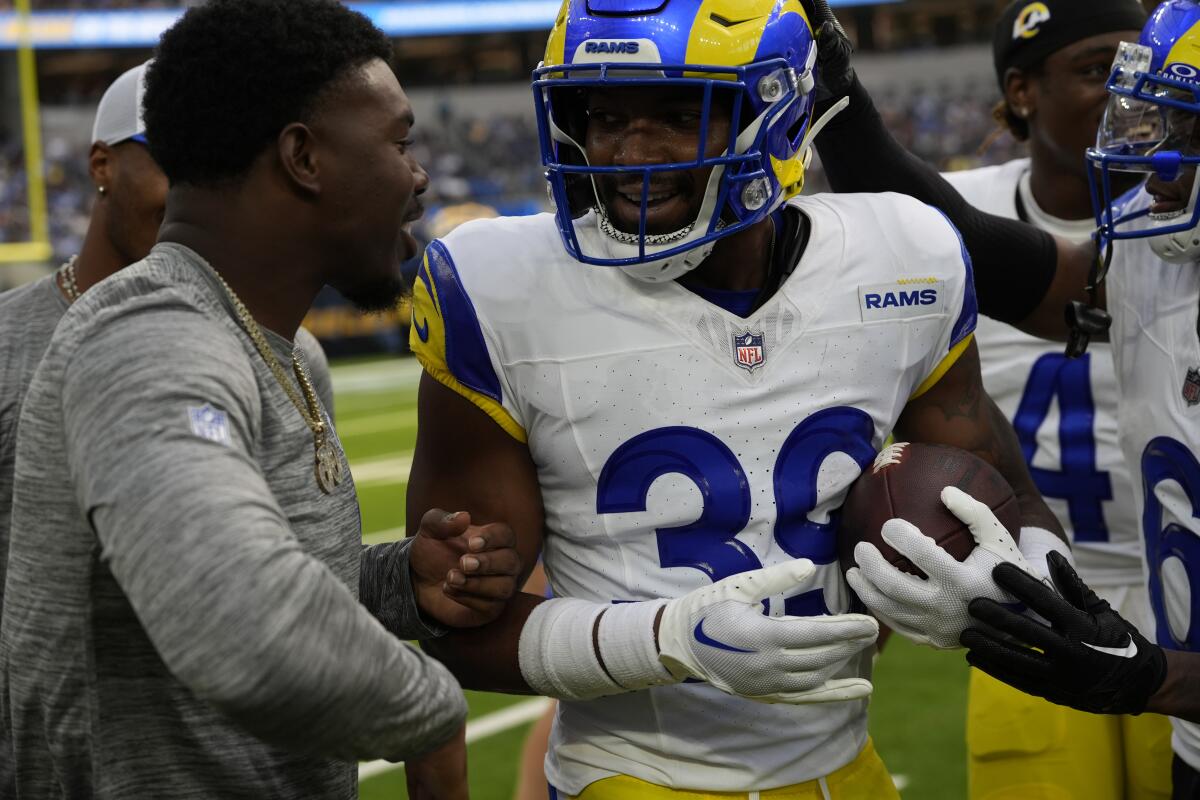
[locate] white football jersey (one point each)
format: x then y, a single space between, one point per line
1154 306
677 443
1064 410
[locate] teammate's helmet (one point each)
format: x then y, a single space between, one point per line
758 53
1150 126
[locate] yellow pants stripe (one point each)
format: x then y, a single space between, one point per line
864 778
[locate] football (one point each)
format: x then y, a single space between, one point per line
906 481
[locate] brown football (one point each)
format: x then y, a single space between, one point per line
906 481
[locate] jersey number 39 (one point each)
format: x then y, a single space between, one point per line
710 544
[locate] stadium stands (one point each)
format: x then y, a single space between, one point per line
92 5
493 158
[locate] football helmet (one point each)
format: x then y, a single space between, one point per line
1151 126
761 51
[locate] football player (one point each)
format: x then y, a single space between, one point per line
1052 62
667 388
1150 238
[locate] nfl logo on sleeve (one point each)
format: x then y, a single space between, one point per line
210 423
748 350
1191 387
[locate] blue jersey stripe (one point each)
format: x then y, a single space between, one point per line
466 349
968 318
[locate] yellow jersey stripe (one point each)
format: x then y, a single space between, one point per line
484 403
944 367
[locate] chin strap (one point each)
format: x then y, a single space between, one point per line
815 130
1090 320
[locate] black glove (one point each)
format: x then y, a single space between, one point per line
835 75
1090 658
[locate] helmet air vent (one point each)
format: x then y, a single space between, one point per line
729 23
625 7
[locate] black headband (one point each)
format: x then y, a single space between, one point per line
1029 31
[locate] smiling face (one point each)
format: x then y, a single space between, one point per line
1150 128
646 126
1068 97
1171 198
371 184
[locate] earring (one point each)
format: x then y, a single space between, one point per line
102 190
1023 113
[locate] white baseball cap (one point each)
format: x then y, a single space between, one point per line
119 115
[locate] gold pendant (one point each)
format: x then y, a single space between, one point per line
330 472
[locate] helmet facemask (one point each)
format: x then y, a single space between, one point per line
767 106
1152 127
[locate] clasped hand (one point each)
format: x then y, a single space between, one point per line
463 574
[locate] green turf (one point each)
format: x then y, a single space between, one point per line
374 426
917 714
382 508
918 719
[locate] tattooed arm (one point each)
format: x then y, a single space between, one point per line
958 412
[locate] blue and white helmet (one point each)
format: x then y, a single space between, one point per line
1150 126
761 49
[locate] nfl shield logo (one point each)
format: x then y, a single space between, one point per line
1191 387
210 423
748 350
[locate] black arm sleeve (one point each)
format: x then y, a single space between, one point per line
1015 263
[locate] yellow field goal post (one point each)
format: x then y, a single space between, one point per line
37 247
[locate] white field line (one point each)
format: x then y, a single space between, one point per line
376 423
382 470
901 782
489 725
380 376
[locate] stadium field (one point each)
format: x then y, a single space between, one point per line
919 705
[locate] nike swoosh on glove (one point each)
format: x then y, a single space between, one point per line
719 634
1088 657
933 611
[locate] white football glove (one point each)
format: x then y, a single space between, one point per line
719 634
933 611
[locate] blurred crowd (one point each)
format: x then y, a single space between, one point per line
68 195
94 5
494 160
950 126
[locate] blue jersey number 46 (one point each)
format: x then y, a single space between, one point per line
1172 551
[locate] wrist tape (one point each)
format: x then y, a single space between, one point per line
558 649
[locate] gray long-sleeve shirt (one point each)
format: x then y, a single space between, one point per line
28 317
181 615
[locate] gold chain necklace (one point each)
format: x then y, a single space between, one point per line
329 469
68 281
